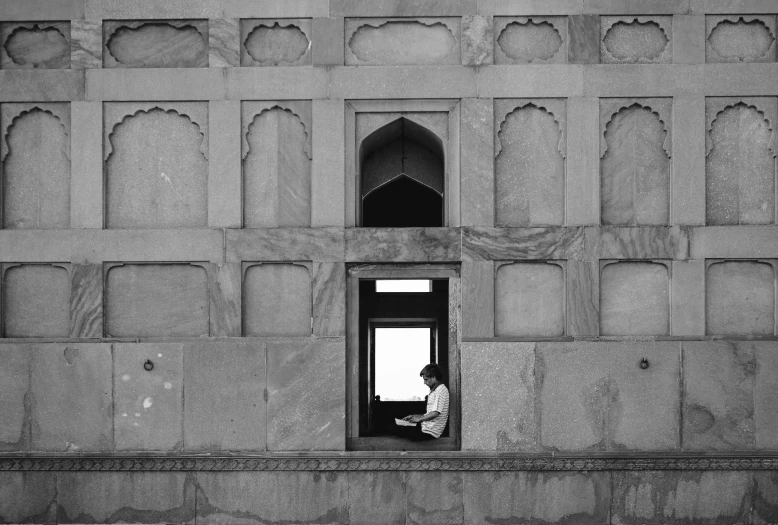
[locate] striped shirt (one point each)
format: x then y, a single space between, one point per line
436 401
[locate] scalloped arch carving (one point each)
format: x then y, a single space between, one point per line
636 41
276 44
403 43
742 41
530 41
38 47
157 44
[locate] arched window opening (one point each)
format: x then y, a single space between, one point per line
402 177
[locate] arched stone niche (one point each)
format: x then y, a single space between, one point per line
402 41
35 45
398 148
275 42
740 38
530 40
636 39
155 43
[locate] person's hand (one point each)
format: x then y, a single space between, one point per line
407 418
414 418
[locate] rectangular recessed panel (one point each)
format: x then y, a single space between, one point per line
36 301
157 300
529 300
277 300
400 354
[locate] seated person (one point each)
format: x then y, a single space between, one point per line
434 420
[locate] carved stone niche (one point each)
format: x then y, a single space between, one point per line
529 299
402 149
38 45
155 43
636 39
156 164
634 298
535 40
635 167
740 297
276 153
275 42
35 157
530 147
740 165
402 41
277 299
732 38
36 300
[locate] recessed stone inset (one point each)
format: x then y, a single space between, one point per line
529 300
740 298
634 299
528 41
636 40
36 301
277 171
743 39
277 300
635 169
740 167
156 44
39 46
530 168
36 168
157 300
276 43
402 42
156 173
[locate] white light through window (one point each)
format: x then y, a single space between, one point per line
403 285
400 354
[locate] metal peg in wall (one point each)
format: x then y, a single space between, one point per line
644 363
148 366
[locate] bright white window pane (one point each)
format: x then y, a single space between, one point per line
400 354
403 285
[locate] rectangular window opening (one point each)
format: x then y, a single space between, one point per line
403 286
400 354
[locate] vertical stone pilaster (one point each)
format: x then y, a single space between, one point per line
583 162
477 162
224 165
328 164
688 176
86 169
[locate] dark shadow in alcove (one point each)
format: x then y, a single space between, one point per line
402 177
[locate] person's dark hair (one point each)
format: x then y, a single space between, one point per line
432 370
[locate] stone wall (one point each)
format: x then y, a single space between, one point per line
180 206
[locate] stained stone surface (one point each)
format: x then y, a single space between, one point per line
740 39
635 299
530 169
477 40
434 498
584 39
155 44
647 242
224 42
498 396
537 40
376 498
148 404
522 243
36 300
36 169
583 298
718 407
38 46
275 42
631 40
156 174
305 395
766 394
765 498
284 244
86 44
740 298
277 171
529 300
402 42
157 300
277 300
28 497
15 410
635 170
740 168
537 497
403 244
72 397
329 299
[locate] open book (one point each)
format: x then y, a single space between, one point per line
403 423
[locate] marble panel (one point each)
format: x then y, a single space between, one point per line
126 497
688 39
225 300
765 498
278 83
86 44
224 42
728 242
477 40
151 9
306 398
660 80
42 86
224 407
182 84
28 497
635 7
36 301
687 298
530 7
529 300
285 244
155 44
328 165
436 82
43 10
718 404
498 397
396 42
550 80
86 165
86 301
224 164
740 298
280 42
484 244
376 498
536 40
766 395
35 45
635 299
732 6
636 40
751 78
264 497
688 161
350 8
434 498
403 244
740 39
478 299
277 300
660 497
583 166
71 397
647 242
15 413
583 46
477 162
329 299
537 497
583 298
328 41
148 404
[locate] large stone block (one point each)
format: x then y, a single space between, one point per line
329 299
635 7
275 9
718 404
646 242
272 497
28 497
72 397
285 244
149 9
765 498
148 404
477 162
126 497
687 298
505 244
659 497
529 7
328 163
537 497
224 42
15 411
434 498
55 85
305 395
43 10
583 298
766 395
86 153
403 244
498 396
404 82
350 8
225 389
538 81
477 40
224 166
86 300
277 83
584 39
376 498
729 242
328 41
688 39
732 6
155 84
688 177
583 162
478 299
225 300
86 44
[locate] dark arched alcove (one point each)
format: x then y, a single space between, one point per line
402 177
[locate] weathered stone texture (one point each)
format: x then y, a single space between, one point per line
35 45
86 44
635 299
584 39
766 394
740 298
641 40
402 42
740 39
434 498
14 390
28 497
277 300
529 300
329 300
275 42
224 42
477 40
376 498
36 300
180 43
536 40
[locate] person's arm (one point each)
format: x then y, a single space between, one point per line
418 418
